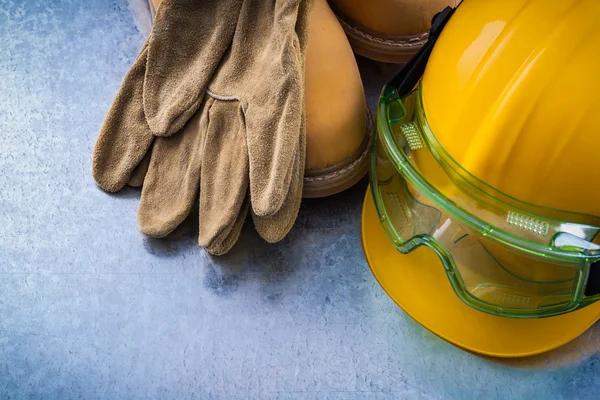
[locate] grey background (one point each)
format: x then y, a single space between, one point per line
92 309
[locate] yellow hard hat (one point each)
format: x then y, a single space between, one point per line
484 154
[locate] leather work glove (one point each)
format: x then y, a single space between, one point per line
249 131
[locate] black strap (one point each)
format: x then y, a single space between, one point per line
593 283
409 75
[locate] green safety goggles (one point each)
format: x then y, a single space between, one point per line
501 256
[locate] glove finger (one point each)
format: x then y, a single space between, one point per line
274 128
125 137
221 246
274 228
171 184
272 148
188 40
224 173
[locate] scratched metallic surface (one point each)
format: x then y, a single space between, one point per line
92 309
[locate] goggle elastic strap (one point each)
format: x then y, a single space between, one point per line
408 77
593 284
411 73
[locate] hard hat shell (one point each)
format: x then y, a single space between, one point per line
512 93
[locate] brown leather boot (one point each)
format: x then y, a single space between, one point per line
388 30
338 123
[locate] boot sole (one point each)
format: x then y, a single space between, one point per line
343 175
384 48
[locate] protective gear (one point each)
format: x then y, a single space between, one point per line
488 162
339 126
248 133
387 30
418 283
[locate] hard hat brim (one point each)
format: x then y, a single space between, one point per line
418 284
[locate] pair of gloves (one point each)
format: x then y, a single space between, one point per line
213 107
